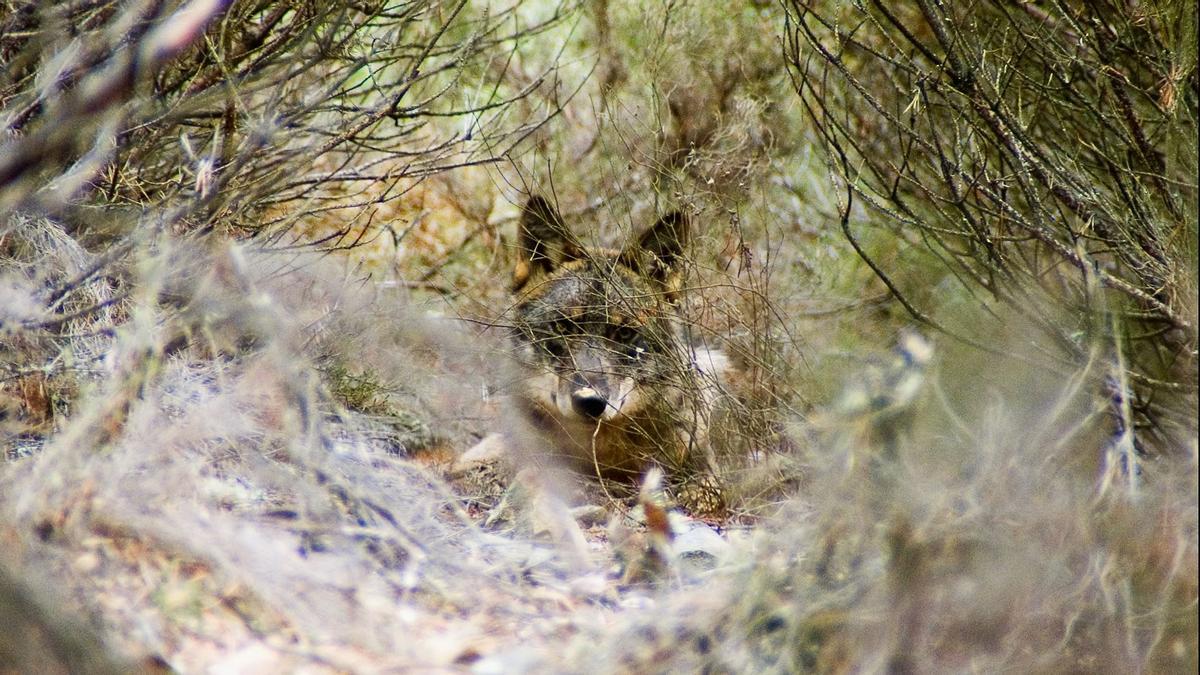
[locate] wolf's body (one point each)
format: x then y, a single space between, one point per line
610 385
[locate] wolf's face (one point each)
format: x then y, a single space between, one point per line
595 328
596 337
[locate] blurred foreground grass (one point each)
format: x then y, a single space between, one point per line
252 261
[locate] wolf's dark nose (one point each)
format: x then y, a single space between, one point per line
588 402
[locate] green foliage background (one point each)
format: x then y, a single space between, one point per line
254 256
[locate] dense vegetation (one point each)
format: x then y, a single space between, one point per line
254 259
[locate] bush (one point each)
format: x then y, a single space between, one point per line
1037 159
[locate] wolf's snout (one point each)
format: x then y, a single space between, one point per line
589 403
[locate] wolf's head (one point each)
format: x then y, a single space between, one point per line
596 327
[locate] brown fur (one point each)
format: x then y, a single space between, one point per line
610 385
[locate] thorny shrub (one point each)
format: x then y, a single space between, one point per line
212 427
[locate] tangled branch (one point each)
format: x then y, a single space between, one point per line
1045 157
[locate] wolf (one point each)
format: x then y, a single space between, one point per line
609 384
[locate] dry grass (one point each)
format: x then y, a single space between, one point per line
231 445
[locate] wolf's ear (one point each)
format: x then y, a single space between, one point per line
543 242
658 252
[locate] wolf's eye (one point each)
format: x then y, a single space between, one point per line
628 340
554 347
624 336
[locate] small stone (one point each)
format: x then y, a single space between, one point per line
698 548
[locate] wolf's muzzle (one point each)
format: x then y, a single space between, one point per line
588 402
